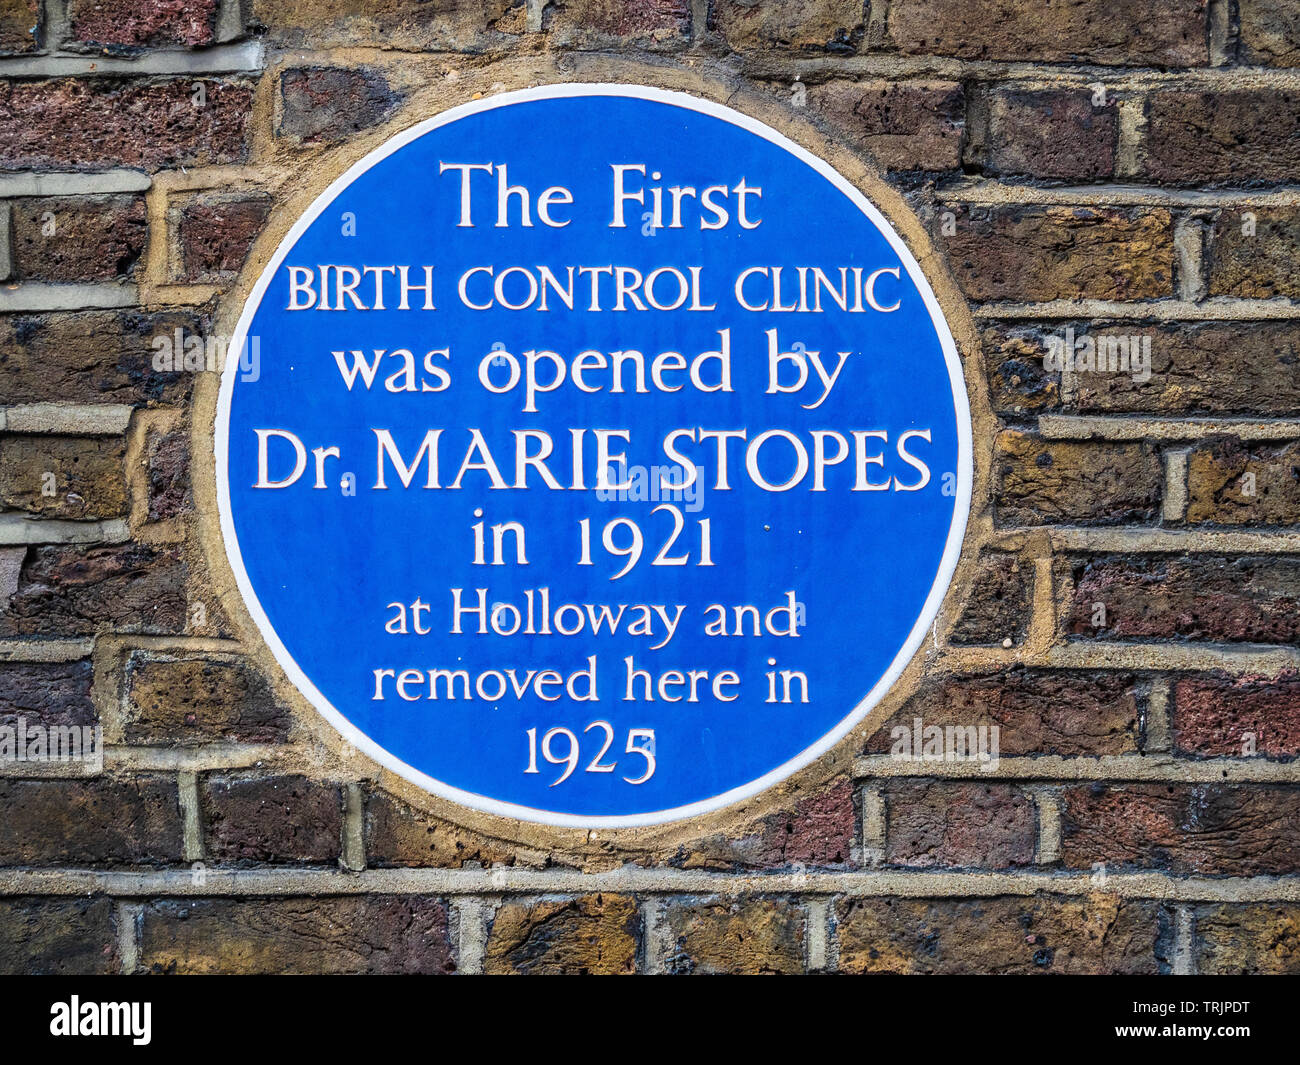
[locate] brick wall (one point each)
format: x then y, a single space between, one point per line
1129 613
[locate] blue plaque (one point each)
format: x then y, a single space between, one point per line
597 456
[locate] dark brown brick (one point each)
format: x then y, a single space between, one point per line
1109 32
167 462
367 934
1041 482
57 937
68 591
19 21
187 701
1216 715
998 606
1060 134
1019 380
399 835
1259 938
1232 600
324 104
835 26
64 476
47 693
1234 137
956 824
746 937
91 357
1032 253
90 822
816 831
1248 368
407 24
1233 483
1269 32
271 819
87 123
132 24
1252 253
593 935
1037 712
914 125
215 232
1099 934
77 238
588 23
1183 829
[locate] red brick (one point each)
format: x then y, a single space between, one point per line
1226 136
1214 712
367 934
47 693
87 123
215 233
129 24
271 819
1109 32
1183 829
1060 134
324 104
77 238
93 822
1232 600
588 23
950 824
913 125
167 463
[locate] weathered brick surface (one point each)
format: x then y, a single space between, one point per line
1252 600
455 24
77 238
998 607
91 357
167 463
1030 253
64 476
369 934
18 23
1099 934
954 824
1089 31
818 830
1231 483
1269 32
1068 713
1233 137
745 937
131 24
1245 368
915 125
215 232
834 26
47 693
1051 481
324 104
397 835
591 23
1237 939
1218 715
100 821
57 937
88 123
79 590
1251 253
1060 134
1212 829
593 935
190 701
271 819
